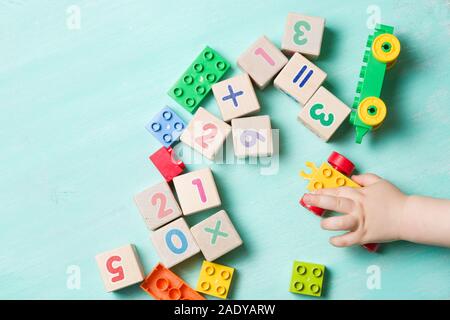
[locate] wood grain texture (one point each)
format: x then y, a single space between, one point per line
74 150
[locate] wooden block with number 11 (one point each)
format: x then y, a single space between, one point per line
197 191
206 133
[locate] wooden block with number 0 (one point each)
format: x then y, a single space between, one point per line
206 133
252 136
120 268
324 113
303 34
157 205
197 191
262 61
174 243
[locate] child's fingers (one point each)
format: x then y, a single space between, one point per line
345 240
346 222
338 204
346 192
366 179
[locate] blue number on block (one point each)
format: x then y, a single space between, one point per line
184 243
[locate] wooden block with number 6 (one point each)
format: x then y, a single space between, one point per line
216 236
174 243
303 34
120 268
197 191
262 61
324 113
157 205
206 133
252 136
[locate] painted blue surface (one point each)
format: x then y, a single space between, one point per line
74 150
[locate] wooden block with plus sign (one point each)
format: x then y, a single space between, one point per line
303 34
236 97
300 78
324 113
120 267
262 61
206 133
216 236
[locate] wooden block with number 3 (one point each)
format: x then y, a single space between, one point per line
206 133
174 243
252 136
197 191
324 113
216 236
262 61
157 205
303 34
120 268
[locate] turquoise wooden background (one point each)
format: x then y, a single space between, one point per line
74 150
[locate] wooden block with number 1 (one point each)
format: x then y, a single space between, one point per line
303 34
120 268
324 113
206 133
262 61
157 205
197 191
252 136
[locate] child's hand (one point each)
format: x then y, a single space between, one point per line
373 213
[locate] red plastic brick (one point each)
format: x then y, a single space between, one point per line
341 163
163 284
316 210
164 161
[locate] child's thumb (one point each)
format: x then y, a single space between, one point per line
366 179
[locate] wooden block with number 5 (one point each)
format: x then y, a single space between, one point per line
324 113
174 243
262 61
252 136
303 34
120 268
206 133
197 191
157 205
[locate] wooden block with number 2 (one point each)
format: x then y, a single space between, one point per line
157 205
303 34
120 268
197 191
206 133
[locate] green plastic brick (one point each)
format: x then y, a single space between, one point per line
371 81
195 83
307 278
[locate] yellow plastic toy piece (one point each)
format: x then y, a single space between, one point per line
386 48
326 177
372 111
215 279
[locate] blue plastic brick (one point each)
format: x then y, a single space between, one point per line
166 126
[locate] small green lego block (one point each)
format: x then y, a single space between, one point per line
195 83
307 278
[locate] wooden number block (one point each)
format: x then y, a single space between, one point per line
205 133
216 236
252 136
324 113
262 61
197 191
236 97
174 243
120 268
303 34
300 78
157 205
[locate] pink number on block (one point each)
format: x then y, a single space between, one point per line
117 271
201 191
263 53
207 137
162 211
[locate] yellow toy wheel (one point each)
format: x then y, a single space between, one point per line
372 111
386 48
